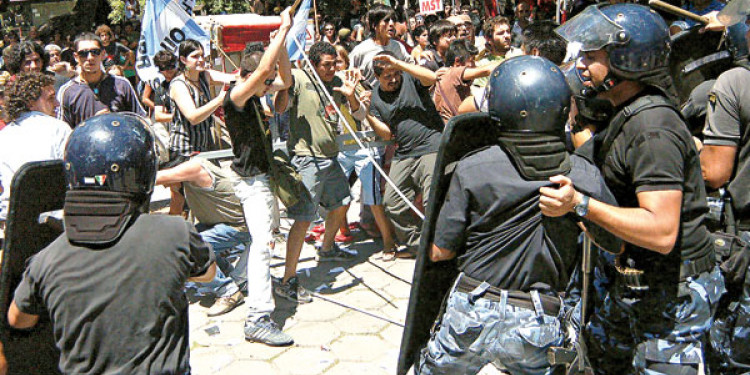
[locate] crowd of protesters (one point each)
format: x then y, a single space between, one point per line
399 74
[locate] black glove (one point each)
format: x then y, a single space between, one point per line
735 267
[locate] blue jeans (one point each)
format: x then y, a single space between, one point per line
475 333
658 333
228 279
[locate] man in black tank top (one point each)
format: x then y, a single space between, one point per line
251 145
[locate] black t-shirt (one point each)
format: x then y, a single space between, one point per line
250 156
493 221
122 309
655 152
411 115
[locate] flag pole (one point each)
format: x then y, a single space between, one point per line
354 134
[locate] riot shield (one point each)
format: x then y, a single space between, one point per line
37 188
462 134
696 58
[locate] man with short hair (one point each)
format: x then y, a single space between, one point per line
402 108
523 20
540 39
497 36
381 20
61 69
210 193
658 310
251 147
32 132
314 124
93 91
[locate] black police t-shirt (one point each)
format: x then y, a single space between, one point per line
491 218
655 152
121 309
411 115
250 158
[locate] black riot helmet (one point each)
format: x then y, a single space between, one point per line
530 100
110 169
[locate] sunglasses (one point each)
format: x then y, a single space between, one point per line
166 68
86 52
328 29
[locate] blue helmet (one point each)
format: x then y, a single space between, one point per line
530 100
636 38
529 94
112 152
736 41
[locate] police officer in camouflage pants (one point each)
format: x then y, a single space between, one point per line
659 308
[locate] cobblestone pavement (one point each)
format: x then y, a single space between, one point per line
329 337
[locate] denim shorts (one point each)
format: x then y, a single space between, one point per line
326 182
356 161
476 332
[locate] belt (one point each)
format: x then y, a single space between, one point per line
695 267
551 305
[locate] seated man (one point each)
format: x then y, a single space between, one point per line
210 194
112 284
514 262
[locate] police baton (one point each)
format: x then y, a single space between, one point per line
669 8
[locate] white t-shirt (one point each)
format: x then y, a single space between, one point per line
34 136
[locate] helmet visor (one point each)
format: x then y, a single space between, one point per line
592 29
734 12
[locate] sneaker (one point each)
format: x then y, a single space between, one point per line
343 238
266 331
319 229
224 305
336 254
293 291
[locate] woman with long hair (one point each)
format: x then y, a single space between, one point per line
192 124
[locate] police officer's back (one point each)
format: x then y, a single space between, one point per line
514 261
112 284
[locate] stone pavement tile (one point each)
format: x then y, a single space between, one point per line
209 360
393 313
250 367
392 335
319 311
360 298
402 267
356 322
257 351
351 368
304 361
218 333
315 334
359 348
372 277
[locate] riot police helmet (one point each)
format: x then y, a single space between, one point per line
110 166
635 37
529 100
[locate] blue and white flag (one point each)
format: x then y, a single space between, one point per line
165 24
298 31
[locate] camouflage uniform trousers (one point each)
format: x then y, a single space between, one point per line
730 334
653 332
476 331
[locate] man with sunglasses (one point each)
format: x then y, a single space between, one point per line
93 91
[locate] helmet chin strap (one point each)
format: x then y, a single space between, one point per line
610 81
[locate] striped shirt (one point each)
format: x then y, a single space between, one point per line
184 138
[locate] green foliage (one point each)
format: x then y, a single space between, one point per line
117 15
225 6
